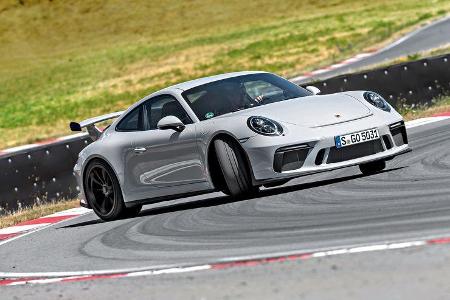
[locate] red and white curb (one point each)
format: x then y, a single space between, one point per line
9 233
14 279
335 66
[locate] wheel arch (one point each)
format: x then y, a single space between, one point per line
89 161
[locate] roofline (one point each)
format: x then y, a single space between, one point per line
183 86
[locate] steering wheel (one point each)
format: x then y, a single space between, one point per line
259 99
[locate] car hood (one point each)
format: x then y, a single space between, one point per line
312 111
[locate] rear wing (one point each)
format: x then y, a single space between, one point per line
89 124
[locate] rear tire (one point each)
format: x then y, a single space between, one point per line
104 194
372 167
233 166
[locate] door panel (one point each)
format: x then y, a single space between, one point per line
164 162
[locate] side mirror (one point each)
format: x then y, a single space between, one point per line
171 122
313 89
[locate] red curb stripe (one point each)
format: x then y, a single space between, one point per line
43 220
6 236
445 114
255 262
92 277
445 240
249 263
300 256
274 259
10 281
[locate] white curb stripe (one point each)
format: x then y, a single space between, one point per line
69 212
33 278
424 121
16 229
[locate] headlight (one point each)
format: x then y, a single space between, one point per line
264 126
377 101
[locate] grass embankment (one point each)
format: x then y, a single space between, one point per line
36 211
438 106
66 60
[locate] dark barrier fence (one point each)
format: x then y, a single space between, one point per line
40 174
410 83
44 173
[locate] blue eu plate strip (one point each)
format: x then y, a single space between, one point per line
337 140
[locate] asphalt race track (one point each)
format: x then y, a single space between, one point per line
409 200
426 38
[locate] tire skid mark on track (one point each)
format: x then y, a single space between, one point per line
14 279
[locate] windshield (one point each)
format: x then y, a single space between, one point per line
241 92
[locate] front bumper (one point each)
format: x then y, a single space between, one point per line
314 149
77 173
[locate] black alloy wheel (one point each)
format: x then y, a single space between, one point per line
104 194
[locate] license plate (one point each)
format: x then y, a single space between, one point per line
356 138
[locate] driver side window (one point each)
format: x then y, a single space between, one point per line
162 106
259 88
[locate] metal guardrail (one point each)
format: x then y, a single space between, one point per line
41 174
44 173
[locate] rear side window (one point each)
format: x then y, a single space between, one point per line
132 121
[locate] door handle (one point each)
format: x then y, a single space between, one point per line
140 149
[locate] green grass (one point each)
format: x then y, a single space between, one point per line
35 211
69 60
438 105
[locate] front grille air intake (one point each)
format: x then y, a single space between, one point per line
319 157
354 151
387 142
398 131
290 157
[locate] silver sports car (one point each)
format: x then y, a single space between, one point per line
232 133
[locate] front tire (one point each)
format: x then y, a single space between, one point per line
372 167
104 194
233 166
